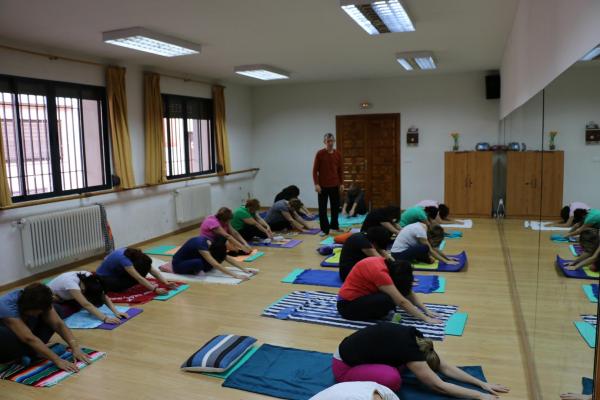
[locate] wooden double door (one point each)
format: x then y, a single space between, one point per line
468 182
370 147
534 184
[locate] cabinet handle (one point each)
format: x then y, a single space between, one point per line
466 182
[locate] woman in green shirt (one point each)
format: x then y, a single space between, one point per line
248 222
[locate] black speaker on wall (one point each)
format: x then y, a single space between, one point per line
492 86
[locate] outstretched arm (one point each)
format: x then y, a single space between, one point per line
406 304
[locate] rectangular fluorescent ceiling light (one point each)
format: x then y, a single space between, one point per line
151 42
423 60
594 53
262 72
378 16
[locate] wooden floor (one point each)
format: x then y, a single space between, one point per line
145 354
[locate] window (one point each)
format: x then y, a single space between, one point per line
189 139
55 137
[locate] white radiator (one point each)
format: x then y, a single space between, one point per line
192 203
62 237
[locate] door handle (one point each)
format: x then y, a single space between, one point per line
466 182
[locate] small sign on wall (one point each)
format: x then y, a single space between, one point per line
592 133
412 136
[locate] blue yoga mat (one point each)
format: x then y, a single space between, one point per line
579 273
595 289
589 292
556 237
283 372
453 234
412 389
588 386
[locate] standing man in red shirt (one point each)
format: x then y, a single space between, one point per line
328 179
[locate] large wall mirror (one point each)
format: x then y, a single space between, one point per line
552 161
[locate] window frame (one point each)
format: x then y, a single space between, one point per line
165 97
51 88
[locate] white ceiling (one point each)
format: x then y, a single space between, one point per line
313 39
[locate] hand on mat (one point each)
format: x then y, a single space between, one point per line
172 285
451 261
122 315
242 277
494 388
160 291
433 321
432 314
112 320
67 366
79 355
251 271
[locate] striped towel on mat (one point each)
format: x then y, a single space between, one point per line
321 308
590 319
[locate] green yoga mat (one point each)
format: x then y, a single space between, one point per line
241 361
291 277
587 332
455 326
172 293
161 250
442 287
254 256
433 266
589 293
328 241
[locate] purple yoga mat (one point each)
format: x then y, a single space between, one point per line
311 231
577 273
132 312
288 245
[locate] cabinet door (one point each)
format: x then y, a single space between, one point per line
551 183
383 136
480 183
518 193
456 182
352 143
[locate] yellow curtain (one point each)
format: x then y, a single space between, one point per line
5 193
221 129
119 129
154 135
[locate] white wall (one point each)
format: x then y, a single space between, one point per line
290 120
547 37
141 214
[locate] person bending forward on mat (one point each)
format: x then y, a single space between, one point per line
374 288
27 322
379 352
590 220
127 267
361 245
284 215
220 225
247 221
386 217
571 216
590 242
418 243
354 202
75 290
199 254
426 215
443 214
289 193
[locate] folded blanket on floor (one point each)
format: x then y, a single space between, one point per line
453 234
285 243
250 257
84 320
139 294
579 273
44 373
543 226
234 367
591 292
319 277
321 308
334 259
463 223
576 250
413 389
555 237
162 250
346 222
283 372
213 276
443 267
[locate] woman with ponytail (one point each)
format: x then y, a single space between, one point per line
379 353
81 289
127 267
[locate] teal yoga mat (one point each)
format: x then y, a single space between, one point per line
328 241
291 277
589 293
254 256
160 250
587 332
456 324
241 361
442 288
172 293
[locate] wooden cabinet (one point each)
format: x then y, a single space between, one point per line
468 183
534 184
